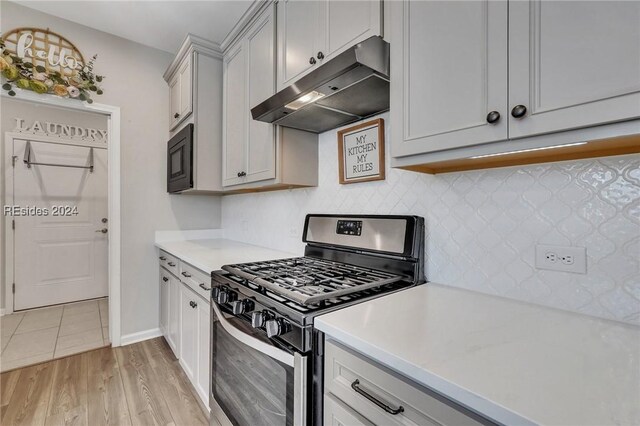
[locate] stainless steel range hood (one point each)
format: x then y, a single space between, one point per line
352 86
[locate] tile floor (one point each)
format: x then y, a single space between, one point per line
49 333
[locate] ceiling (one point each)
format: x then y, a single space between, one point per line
159 24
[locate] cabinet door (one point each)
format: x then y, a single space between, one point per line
573 64
174 101
185 77
204 343
347 23
173 337
188 331
235 116
337 413
450 71
297 39
164 302
260 49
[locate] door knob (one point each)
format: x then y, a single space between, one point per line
519 111
493 117
103 230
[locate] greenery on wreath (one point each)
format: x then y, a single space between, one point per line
25 75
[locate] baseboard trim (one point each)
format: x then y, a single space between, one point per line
140 336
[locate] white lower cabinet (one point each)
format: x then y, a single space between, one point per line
185 318
358 391
173 328
189 331
164 301
202 378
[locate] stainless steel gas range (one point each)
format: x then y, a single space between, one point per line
267 359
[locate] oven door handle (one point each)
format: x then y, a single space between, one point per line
258 345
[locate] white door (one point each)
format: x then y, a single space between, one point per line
204 339
297 39
188 331
173 334
62 256
572 64
164 302
449 73
234 127
260 47
174 101
347 23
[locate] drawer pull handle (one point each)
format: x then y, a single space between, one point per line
171 264
163 258
356 387
204 287
186 274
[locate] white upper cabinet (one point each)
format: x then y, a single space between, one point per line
449 74
311 32
573 64
347 23
234 115
180 92
297 39
249 78
261 83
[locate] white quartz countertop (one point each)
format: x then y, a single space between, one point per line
513 362
210 254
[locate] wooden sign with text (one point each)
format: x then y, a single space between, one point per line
361 152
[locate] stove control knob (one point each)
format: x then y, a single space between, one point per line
214 293
258 319
277 327
240 307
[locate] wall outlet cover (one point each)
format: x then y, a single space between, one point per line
561 258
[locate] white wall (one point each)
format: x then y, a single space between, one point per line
482 226
134 83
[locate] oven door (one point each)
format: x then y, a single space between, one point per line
180 160
253 381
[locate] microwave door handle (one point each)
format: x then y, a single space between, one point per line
258 345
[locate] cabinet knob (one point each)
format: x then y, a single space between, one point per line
493 117
165 279
242 174
519 111
193 304
320 55
176 115
312 60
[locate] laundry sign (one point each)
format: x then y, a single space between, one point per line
361 152
48 128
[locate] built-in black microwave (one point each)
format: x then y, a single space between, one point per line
180 160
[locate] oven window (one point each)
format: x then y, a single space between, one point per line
250 387
176 162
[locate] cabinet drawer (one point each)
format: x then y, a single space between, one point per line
169 262
343 368
197 280
336 413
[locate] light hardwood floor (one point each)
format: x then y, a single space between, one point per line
139 384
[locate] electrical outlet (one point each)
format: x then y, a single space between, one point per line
559 258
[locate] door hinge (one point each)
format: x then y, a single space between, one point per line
13 288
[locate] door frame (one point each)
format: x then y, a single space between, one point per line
113 194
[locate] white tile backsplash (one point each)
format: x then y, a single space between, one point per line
482 226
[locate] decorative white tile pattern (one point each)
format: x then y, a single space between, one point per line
482 226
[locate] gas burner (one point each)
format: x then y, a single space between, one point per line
308 280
